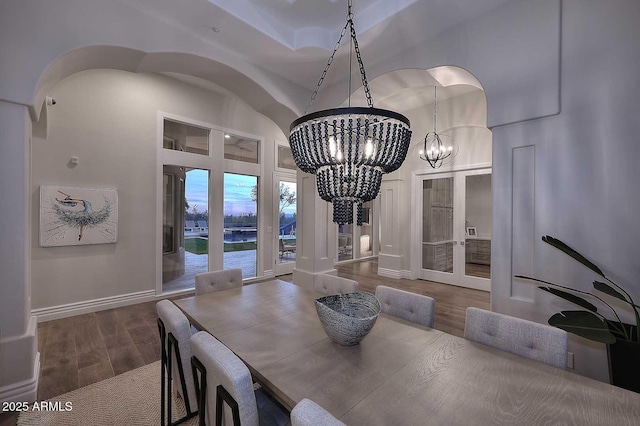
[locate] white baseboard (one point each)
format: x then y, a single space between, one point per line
268 274
25 391
77 308
406 275
390 273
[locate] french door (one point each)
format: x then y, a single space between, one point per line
455 222
285 221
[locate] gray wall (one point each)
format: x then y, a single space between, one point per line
572 168
575 175
109 119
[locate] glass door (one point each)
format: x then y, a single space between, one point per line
185 232
241 223
477 242
285 217
456 228
438 228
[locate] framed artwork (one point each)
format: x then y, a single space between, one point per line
472 232
71 216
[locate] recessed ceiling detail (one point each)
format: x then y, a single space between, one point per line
303 24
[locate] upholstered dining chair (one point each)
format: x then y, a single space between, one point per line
224 388
528 339
331 284
308 413
225 279
409 306
175 333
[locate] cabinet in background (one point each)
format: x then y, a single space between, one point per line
478 251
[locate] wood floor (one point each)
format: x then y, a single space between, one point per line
451 301
78 351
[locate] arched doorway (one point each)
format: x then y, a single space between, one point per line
428 240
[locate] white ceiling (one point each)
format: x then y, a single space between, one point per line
294 38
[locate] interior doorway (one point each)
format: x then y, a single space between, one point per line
455 228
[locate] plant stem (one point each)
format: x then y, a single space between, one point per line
633 306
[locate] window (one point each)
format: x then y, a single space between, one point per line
285 158
241 149
184 137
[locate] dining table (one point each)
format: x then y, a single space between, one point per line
401 373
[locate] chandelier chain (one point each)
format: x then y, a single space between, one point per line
435 107
326 68
356 48
363 75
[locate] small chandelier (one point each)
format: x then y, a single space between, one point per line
348 149
434 151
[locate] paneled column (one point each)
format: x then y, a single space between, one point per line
389 256
316 233
19 358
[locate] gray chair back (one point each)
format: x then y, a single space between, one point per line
308 413
176 323
331 284
409 306
528 339
224 368
209 282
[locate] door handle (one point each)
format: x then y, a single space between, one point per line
461 243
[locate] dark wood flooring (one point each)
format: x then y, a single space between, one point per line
451 301
80 350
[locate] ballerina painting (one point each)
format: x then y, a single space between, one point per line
73 216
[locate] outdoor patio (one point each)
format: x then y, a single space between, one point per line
197 263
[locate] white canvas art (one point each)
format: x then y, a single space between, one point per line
75 216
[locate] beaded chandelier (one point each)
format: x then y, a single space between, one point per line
348 149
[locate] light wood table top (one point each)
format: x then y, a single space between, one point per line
400 373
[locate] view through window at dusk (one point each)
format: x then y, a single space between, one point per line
240 223
287 221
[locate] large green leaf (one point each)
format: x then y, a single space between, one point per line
571 298
571 252
607 289
584 324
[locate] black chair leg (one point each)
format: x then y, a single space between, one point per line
200 381
223 395
201 387
163 364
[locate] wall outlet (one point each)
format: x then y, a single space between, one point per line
570 360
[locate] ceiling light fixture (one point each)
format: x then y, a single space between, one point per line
434 151
348 149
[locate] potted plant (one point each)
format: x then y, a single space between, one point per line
622 340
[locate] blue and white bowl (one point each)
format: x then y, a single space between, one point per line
347 318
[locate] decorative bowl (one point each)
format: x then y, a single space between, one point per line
347 318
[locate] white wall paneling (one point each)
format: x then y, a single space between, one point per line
19 359
315 232
523 223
